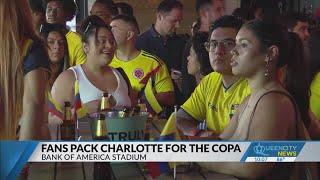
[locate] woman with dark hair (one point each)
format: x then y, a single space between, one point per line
84 84
198 59
56 41
272 111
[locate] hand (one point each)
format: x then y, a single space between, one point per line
175 74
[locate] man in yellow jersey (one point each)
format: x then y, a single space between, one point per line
140 66
59 12
217 96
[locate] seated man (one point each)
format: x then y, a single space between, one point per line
217 96
140 66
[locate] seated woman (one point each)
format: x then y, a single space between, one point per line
198 59
56 41
271 112
87 82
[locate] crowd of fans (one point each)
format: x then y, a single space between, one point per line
252 75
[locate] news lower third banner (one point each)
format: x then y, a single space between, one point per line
15 154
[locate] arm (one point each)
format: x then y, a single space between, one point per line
34 106
276 114
166 98
63 88
187 127
164 87
186 124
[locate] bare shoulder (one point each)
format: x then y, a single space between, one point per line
275 100
66 77
63 87
274 118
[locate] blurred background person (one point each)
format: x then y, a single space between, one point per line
124 8
198 59
59 12
245 14
104 9
38 14
299 24
24 72
218 7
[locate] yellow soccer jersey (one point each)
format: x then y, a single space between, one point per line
141 68
315 96
76 54
212 102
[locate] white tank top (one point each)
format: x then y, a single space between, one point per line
88 92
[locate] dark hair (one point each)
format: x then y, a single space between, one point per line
244 14
69 7
125 8
292 19
90 26
270 9
296 82
45 30
110 5
128 19
36 6
167 5
202 3
314 61
197 43
197 26
226 21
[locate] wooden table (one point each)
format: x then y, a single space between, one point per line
122 171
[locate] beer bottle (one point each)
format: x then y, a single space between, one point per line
67 128
105 102
100 128
101 170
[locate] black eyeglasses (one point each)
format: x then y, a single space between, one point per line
212 45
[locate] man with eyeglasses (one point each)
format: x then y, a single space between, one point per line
218 95
59 12
140 65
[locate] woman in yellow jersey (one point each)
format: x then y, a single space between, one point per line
24 68
83 85
198 59
56 41
271 112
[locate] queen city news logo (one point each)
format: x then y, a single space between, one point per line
276 150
